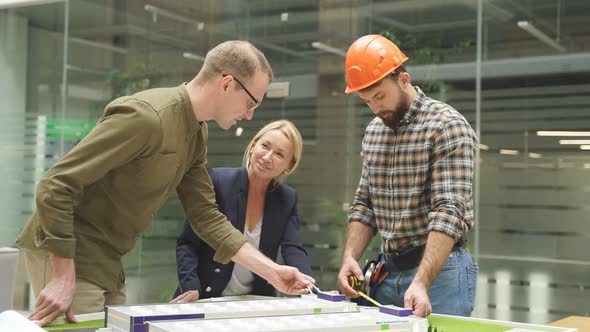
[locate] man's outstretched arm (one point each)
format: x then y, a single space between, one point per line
286 279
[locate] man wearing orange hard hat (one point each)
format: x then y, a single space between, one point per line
415 189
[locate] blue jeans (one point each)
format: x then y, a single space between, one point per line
452 293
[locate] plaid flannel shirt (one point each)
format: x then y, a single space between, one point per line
418 177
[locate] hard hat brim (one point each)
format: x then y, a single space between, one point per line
349 90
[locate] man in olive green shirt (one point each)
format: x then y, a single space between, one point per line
96 202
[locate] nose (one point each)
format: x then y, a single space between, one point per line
377 108
374 107
267 155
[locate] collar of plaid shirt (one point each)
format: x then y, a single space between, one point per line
414 107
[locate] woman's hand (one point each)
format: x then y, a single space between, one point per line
189 296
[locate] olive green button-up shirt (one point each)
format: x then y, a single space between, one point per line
94 203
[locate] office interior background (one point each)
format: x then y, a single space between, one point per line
516 69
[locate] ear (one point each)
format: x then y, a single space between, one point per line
404 79
225 81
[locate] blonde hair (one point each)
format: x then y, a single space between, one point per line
290 131
237 58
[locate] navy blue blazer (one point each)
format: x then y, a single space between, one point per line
280 228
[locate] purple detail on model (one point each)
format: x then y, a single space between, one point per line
139 324
331 297
393 310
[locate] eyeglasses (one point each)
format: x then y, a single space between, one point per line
256 102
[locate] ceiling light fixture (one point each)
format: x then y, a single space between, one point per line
584 147
21 3
562 133
540 35
328 48
166 13
574 141
508 152
535 155
192 56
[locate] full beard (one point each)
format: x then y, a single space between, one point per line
392 118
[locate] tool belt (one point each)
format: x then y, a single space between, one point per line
410 257
405 259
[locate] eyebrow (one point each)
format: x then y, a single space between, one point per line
266 141
373 96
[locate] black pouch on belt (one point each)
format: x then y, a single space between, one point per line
408 258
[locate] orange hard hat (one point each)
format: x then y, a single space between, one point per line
369 59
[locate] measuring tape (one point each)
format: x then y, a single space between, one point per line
359 286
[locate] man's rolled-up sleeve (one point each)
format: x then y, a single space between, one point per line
452 179
361 209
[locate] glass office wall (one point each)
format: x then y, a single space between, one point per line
534 188
31 76
534 67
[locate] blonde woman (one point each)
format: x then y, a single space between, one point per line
257 204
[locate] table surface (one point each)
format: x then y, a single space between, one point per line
579 322
91 325
441 323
